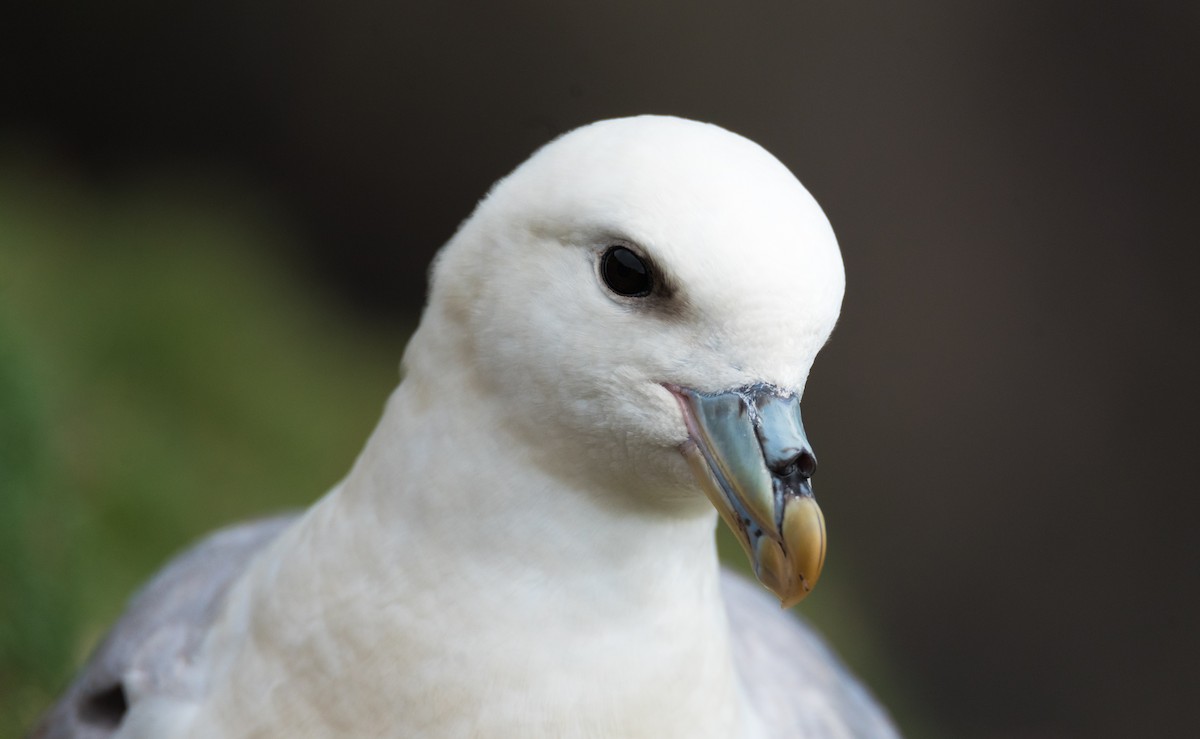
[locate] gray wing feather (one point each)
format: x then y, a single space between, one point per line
793 680
156 639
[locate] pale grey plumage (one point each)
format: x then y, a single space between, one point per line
789 674
159 633
793 679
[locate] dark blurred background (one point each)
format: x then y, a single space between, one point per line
216 218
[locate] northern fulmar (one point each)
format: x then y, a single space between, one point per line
612 355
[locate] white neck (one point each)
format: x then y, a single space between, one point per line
492 596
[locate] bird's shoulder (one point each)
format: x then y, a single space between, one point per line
792 679
149 649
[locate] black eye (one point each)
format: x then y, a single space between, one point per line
625 273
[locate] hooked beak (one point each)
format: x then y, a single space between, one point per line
748 450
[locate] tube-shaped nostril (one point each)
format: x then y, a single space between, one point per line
806 464
781 436
801 463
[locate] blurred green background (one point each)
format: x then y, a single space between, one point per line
216 218
148 395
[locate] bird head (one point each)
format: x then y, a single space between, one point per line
643 299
